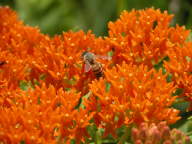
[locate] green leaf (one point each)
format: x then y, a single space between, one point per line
107 86
84 97
188 58
178 91
71 81
184 125
126 136
110 53
182 106
155 24
22 142
159 65
120 131
72 141
23 85
123 34
189 38
169 77
98 136
42 77
164 70
189 128
92 130
67 89
39 100
190 118
36 82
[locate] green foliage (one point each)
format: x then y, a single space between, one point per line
81 101
107 86
190 36
22 142
72 141
181 105
178 91
184 125
95 133
24 85
42 77
159 65
55 16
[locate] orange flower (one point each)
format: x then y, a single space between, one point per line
15 37
143 36
50 112
135 95
180 66
39 115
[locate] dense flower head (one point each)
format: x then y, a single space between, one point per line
42 115
158 133
15 37
132 94
180 66
144 36
47 97
57 58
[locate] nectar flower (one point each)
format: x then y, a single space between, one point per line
180 66
131 94
143 36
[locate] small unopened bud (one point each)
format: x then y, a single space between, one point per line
187 140
178 135
166 133
138 142
143 134
149 142
135 134
167 142
161 125
143 125
156 136
179 142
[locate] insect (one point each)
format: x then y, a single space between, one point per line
92 64
2 63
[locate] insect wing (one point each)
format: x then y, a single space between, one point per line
87 67
103 57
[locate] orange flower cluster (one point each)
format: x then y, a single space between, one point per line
180 66
46 97
144 36
134 95
43 115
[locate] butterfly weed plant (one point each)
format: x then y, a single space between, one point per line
46 97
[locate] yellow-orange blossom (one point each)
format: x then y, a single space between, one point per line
130 92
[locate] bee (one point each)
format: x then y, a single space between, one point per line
92 64
2 63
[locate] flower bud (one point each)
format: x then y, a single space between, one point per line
187 140
149 142
138 142
156 137
167 142
161 125
166 133
178 135
143 134
135 134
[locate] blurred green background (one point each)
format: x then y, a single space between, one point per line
56 16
